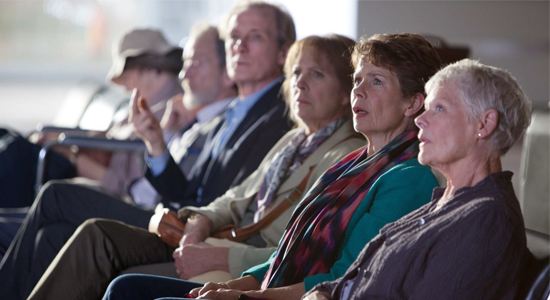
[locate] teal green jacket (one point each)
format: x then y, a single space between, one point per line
396 193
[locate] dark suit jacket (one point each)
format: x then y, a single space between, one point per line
18 162
263 126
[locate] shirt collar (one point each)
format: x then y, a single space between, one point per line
491 181
247 102
211 110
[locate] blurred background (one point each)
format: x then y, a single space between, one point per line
47 47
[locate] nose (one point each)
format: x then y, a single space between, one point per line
358 92
301 82
239 45
421 121
187 70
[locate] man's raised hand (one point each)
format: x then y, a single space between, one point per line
146 126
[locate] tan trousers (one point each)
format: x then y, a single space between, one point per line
98 251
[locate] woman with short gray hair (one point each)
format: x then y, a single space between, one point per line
482 88
469 242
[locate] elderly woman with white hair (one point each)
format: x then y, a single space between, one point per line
469 242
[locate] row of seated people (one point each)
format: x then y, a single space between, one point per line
468 242
234 144
140 54
143 60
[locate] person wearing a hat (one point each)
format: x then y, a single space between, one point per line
142 59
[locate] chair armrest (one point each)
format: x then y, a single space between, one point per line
44 134
71 130
101 143
85 142
47 128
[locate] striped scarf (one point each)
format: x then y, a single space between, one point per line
315 232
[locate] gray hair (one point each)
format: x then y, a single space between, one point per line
203 28
483 87
286 30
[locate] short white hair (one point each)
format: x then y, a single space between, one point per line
483 87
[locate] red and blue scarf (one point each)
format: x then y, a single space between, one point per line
314 236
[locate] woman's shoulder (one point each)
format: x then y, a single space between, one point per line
485 208
487 218
282 142
347 137
494 193
341 143
348 144
410 167
409 175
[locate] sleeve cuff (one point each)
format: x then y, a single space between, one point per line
157 165
143 193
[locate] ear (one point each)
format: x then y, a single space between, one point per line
488 122
415 103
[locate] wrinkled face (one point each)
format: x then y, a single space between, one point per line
446 135
316 96
377 101
253 54
201 74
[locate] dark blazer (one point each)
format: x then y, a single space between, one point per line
265 123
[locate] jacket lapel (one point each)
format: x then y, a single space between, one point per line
260 108
204 156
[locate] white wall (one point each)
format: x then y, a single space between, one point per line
322 17
513 35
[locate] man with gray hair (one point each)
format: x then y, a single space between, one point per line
208 91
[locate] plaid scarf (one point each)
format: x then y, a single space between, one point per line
288 160
315 232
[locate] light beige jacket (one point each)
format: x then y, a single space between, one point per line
229 208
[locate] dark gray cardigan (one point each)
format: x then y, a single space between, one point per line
474 247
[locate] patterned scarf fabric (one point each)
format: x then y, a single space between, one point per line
313 238
288 160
